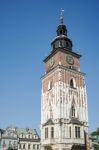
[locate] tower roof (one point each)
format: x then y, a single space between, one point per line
61 40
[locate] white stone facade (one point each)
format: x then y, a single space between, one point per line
56 105
57 101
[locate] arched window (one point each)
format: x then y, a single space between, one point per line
71 83
72 111
61 31
67 44
60 43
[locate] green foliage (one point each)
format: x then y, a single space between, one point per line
98 131
96 147
95 138
10 148
95 133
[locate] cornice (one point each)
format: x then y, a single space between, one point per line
66 51
62 67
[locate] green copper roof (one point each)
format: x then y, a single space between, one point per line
25 131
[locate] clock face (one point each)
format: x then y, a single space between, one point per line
70 59
51 62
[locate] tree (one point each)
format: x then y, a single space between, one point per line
95 133
96 147
95 139
98 131
10 148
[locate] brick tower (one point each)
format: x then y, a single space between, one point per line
64 114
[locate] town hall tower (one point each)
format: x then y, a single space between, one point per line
64 114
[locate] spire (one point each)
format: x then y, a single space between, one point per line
61 16
61 29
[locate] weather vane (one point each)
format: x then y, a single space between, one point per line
62 16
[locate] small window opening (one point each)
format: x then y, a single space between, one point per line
61 31
71 83
77 132
67 44
52 132
24 146
73 111
46 133
70 132
60 43
50 85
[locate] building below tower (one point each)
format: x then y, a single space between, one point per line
19 139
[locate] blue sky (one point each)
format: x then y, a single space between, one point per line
27 28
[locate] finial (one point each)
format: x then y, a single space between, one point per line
62 16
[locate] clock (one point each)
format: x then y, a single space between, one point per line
51 62
70 59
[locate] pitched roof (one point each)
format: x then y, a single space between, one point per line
75 121
49 122
25 131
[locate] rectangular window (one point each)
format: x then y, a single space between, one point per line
22 135
77 132
10 144
33 146
29 146
70 132
46 133
24 146
20 146
14 142
52 132
37 146
3 142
